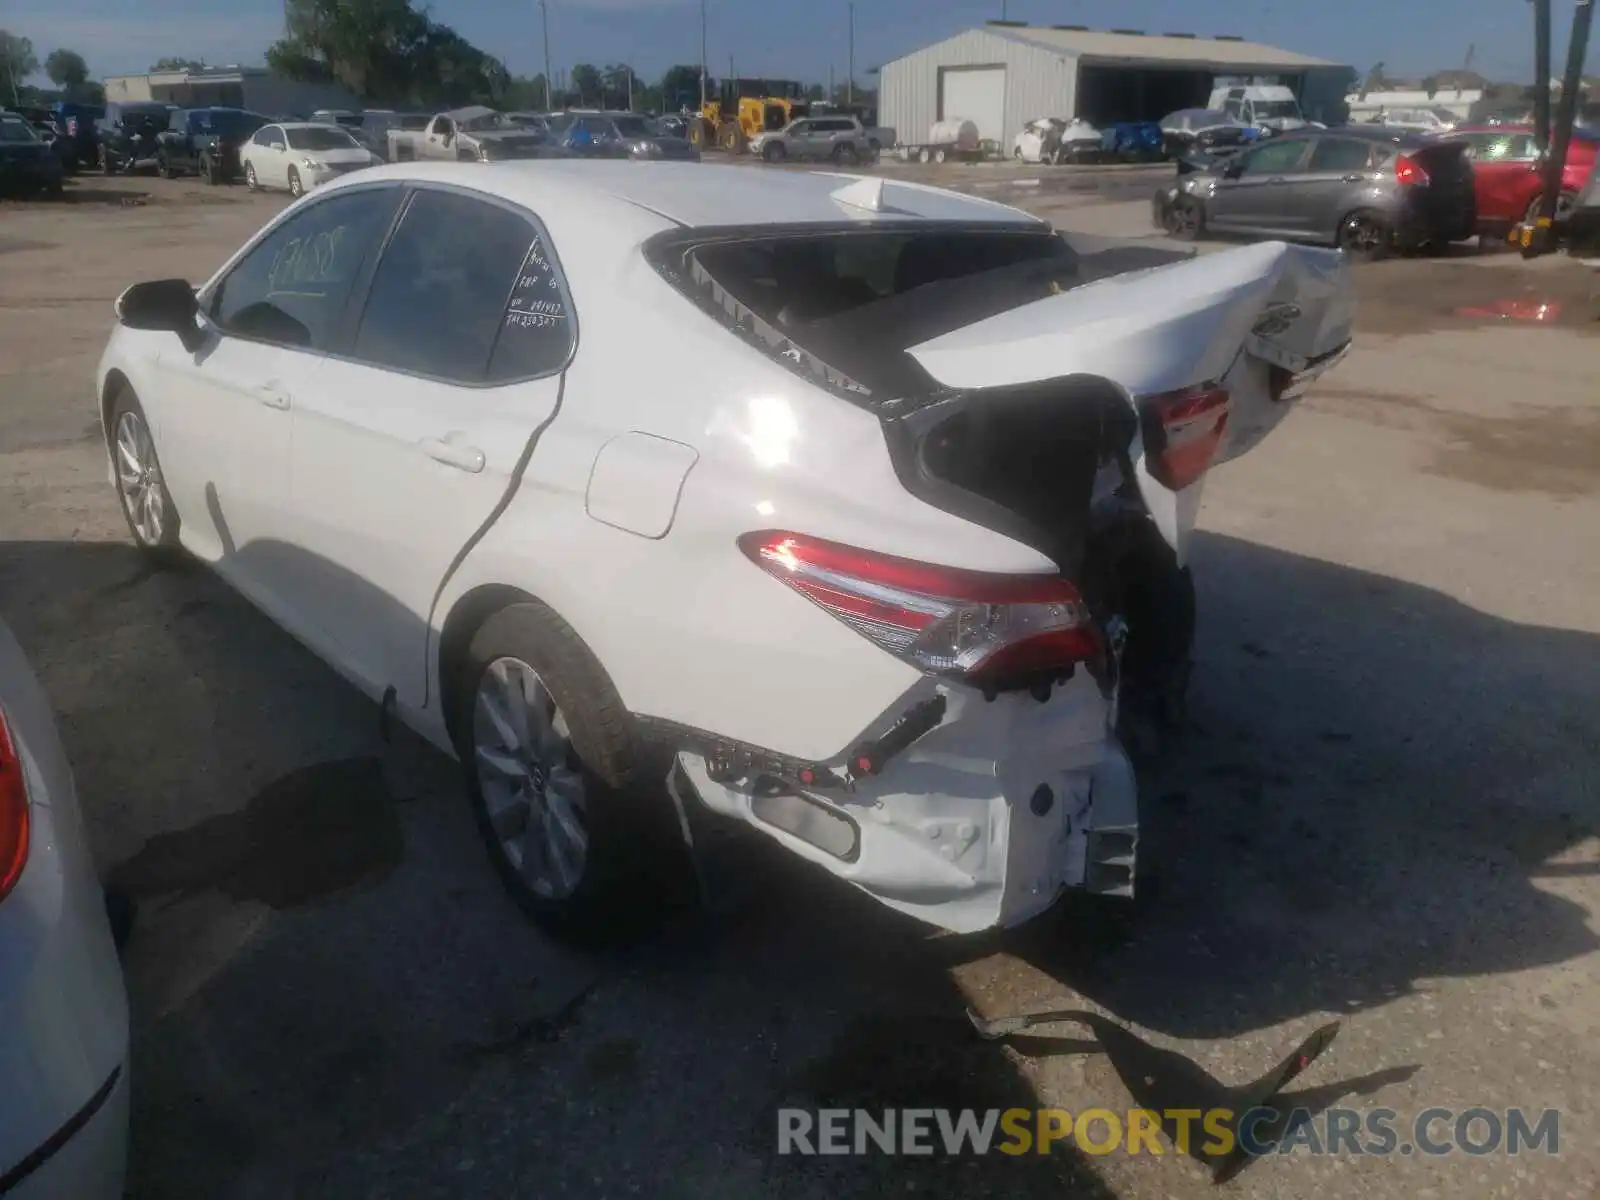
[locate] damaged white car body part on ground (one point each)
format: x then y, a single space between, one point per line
869 501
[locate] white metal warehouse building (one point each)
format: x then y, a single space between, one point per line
1008 73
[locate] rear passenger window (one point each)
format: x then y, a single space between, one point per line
468 292
1340 154
291 288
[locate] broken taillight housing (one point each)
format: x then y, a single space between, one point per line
1183 431
13 812
991 630
1408 174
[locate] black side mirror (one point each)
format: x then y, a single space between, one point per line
165 306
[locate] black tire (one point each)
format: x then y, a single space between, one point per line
210 170
106 165
250 177
773 152
165 168
635 856
1185 219
165 546
1365 236
845 155
296 188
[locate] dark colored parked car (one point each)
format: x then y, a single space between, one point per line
205 141
1369 191
128 135
1583 223
27 164
617 135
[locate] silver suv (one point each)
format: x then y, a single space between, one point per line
837 139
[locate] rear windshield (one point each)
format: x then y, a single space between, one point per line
634 127
329 138
17 131
844 304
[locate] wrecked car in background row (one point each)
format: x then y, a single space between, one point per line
129 133
1055 140
858 512
474 134
1204 131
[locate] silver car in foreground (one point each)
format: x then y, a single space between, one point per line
63 1011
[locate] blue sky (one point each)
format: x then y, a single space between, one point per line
803 38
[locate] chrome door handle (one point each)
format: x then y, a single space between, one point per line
272 396
454 454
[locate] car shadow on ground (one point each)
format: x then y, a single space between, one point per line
332 997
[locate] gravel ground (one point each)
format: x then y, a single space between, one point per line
1386 813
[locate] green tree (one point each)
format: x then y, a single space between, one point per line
680 88
66 69
587 83
178 64
385 51
17 62
619 85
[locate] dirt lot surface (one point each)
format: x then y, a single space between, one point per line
1387 813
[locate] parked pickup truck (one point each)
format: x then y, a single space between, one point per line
473 134
205 141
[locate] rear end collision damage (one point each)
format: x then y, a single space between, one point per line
1076 416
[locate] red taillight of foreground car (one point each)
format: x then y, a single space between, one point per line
993 631
1408 174
1183 432
13 812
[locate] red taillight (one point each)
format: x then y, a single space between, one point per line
1184 430
1408 174
13 813
991 630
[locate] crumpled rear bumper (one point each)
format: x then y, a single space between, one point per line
982 822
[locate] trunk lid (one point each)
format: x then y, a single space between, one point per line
1260 321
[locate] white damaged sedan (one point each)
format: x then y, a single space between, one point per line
867 501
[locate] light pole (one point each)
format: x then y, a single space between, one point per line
702 54
850 83
544 20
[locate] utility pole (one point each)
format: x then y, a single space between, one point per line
1541 74
630 87
850 84
702 54
544 20
1541 238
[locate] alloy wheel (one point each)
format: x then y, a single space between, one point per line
532 789
139 479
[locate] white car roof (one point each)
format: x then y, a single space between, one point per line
702 195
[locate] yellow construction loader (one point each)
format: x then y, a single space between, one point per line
744 108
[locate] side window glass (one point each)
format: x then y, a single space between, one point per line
292 287
1340 155
466 291
1275 158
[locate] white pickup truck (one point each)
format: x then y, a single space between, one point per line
475 134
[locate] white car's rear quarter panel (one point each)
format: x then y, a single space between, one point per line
63 1008
687 627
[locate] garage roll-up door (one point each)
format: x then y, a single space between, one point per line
976 94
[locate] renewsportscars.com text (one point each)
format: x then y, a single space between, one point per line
1212 1132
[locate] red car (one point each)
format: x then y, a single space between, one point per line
1506 174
